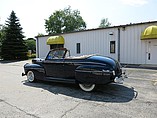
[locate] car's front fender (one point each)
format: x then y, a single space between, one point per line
35 67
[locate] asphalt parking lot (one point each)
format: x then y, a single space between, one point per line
136 98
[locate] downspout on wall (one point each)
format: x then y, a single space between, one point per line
37 47
119 44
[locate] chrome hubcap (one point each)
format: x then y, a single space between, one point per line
30 76
87 87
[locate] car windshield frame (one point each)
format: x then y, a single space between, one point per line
57 54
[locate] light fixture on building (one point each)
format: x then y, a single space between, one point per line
123 28
110 33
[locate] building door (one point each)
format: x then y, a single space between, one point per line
152 52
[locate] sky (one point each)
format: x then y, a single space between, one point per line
32 13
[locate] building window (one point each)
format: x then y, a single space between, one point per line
53 46
78 50
112 46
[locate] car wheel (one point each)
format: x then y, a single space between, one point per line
87 87
30 76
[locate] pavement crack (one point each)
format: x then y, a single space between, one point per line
32 115
1 100
65 113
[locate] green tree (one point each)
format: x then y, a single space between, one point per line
31 44
2 35
104 23
40 34
66 20
13 45
2 32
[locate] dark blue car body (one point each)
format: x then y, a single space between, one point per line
90 69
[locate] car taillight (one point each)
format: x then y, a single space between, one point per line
114 73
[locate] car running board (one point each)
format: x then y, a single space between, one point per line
60 80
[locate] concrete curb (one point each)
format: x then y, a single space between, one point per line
141 66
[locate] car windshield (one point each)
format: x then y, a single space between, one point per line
56 54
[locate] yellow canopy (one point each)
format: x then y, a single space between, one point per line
55 40
149 33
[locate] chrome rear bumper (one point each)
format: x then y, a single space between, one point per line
120 79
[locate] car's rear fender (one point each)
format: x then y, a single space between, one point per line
93 74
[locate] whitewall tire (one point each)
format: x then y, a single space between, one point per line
30 76
87 87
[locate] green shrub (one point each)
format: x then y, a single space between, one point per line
32 56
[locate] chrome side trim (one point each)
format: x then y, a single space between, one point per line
103 72
89 71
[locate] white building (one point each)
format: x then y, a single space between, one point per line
130 44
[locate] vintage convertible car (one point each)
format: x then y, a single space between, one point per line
86 71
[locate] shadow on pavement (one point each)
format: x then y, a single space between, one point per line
106 93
